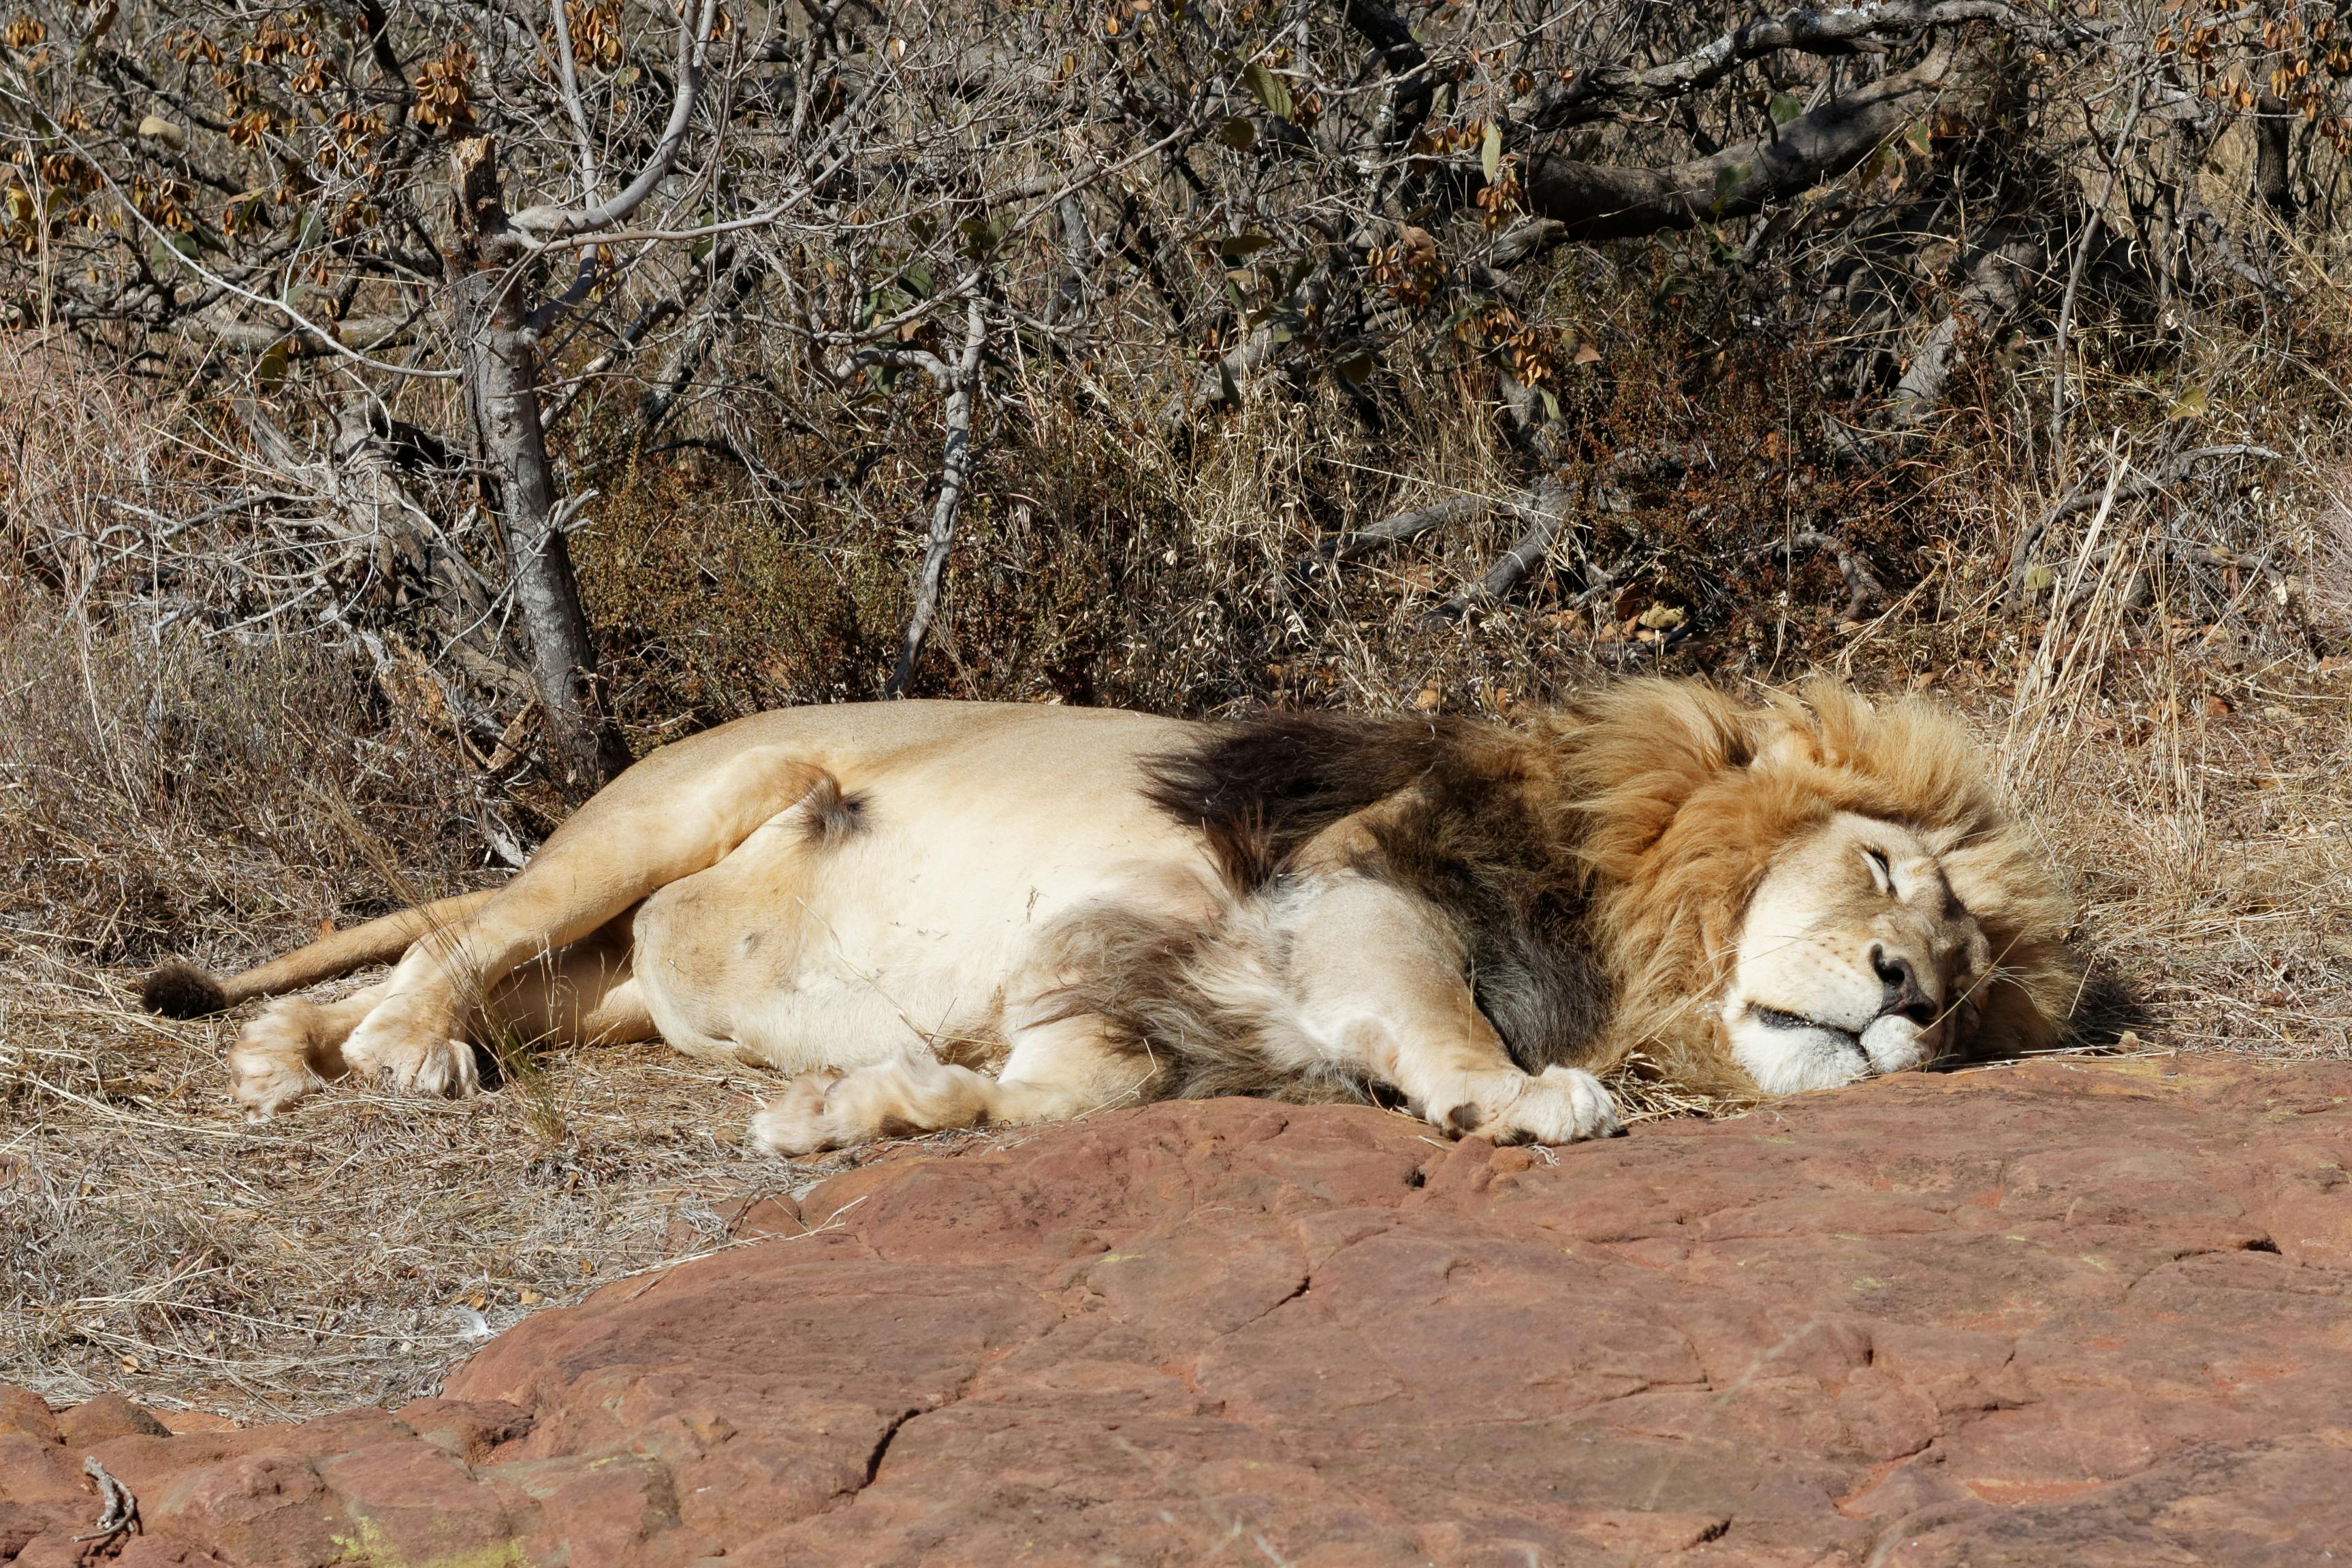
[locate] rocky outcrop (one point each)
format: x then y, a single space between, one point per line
2072 1311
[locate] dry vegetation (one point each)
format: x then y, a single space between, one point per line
232 707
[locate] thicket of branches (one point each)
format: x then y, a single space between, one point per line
1677 314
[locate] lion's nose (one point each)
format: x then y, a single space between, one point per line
1902 995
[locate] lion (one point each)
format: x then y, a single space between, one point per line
937 915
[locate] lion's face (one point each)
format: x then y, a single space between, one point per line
1855 958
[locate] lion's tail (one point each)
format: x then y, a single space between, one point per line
183 991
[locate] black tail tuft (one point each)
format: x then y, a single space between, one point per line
182 991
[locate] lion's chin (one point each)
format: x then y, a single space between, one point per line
1787 1053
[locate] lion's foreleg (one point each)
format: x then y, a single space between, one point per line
639 836
1380 985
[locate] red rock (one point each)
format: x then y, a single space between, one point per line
2078 1312
25 1412
108 1415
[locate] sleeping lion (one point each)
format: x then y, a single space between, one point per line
937 915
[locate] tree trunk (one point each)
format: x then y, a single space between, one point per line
585 749
2274 155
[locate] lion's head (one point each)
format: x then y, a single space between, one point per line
1812 891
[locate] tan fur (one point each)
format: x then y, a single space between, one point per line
937 913
1692 795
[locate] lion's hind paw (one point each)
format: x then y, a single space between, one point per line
800 1121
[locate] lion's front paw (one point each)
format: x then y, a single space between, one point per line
800 1121
1560 1105
428 1066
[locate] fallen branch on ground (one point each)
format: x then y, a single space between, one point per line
121 1511
1547 513
2086 494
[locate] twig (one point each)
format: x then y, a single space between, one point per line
955 472
121 1512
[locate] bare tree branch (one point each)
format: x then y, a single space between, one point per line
1597 200
962 381
1546 512
545 222
1599 91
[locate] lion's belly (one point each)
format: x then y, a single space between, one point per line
918 924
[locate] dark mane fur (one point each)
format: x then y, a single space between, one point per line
1261 787
1474 825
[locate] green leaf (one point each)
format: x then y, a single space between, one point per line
1881 156
2038 578
1728 181
980 235
1551 404
1270 90
918 281
1490 150
2189 404
1919 139
1238 133
169 250
1357 367
1784 108
269 370
1235 250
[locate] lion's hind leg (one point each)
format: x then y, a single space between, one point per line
1058 1070
649 827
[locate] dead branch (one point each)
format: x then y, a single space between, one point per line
1601 91
1343 548
1601 201
961 380
120 1511
1862 588
2000 281
1546 512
